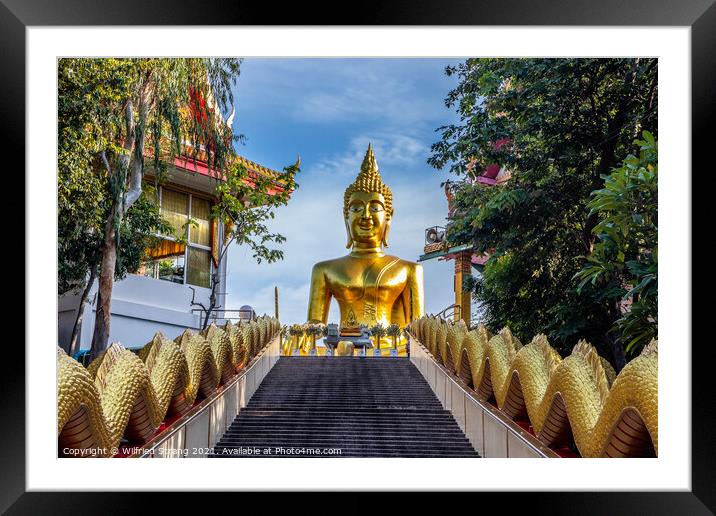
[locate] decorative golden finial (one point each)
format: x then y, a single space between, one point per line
370 165
369 180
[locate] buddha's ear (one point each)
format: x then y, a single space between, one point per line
387 230
349 244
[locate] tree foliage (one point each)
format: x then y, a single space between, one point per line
624 262
92 98
117 114
247 200
87 100
562 124
112 113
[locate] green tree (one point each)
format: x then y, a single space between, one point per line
624 262
111 113
84 95
81 191
80 250
558 125
247 201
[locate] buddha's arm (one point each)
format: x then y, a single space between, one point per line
399 313
413 295
320 297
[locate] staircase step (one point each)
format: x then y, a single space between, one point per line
361 406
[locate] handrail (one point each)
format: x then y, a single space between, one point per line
456 312
215 312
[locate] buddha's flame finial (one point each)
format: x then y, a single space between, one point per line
369 166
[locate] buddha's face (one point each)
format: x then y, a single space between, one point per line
367 218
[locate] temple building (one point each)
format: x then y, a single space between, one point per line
178 271
466 259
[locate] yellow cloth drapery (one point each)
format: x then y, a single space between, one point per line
200 233
214 242
164 249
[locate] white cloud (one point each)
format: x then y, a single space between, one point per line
339 107
345 91
395 153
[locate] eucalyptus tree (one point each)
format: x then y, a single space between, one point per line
114 112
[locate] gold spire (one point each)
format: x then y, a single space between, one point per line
369 166
369 180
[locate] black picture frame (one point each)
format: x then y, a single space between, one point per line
699 15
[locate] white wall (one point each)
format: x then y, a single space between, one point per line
159 293
140 307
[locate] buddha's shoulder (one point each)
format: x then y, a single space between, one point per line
404 263
328 264
347 261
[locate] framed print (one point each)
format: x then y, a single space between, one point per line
376 241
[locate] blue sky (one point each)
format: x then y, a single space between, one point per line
327 110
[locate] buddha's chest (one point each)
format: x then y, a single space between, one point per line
378 282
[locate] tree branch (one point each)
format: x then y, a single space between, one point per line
137 162
194 303
223 251
106 163
129 138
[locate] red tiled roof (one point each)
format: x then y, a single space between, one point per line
196 166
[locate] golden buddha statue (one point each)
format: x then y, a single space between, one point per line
370 286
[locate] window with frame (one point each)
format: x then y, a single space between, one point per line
174 208
185 255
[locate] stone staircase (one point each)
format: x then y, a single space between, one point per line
344 407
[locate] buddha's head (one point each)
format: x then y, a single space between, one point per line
368 207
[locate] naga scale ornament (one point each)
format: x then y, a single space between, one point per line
126 395
578 398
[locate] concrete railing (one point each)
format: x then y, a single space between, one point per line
197 431
491 433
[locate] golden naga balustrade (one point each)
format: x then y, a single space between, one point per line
578 398
126 395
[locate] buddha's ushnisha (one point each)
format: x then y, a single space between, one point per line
369 286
